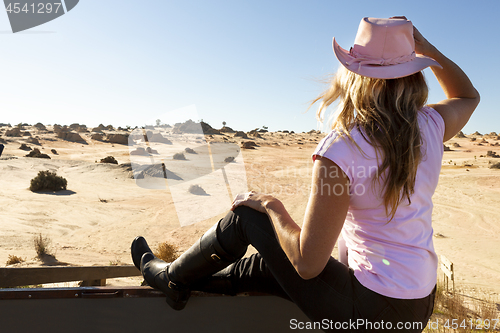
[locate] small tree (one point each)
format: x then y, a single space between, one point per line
224 123
158 122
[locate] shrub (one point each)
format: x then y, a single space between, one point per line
166 252
42 245
190 151
48 181
14 260
109 159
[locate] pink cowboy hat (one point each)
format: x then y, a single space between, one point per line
383 49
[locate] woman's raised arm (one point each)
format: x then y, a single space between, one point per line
461 96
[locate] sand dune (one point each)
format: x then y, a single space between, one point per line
102 210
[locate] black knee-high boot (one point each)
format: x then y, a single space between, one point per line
203 259
249 274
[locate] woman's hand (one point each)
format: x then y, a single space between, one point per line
422 46
252 199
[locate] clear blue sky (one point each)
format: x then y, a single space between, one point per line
249 63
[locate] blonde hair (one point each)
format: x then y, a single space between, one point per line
385 111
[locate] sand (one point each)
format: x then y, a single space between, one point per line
94 221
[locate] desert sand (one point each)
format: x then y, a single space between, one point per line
94 221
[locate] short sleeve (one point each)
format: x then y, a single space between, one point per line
337 150
435 120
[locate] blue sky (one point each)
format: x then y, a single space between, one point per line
249 63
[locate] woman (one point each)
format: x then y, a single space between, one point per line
373 179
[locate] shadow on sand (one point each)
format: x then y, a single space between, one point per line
50 260
63 192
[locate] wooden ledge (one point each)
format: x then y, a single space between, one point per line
24 276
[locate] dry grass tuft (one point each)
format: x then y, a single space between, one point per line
116 262
14 260
166 252
42 246
454 312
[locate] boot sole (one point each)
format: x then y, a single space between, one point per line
139 246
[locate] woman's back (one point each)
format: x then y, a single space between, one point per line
394 258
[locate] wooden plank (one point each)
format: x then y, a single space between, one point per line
446 271
134 313
14 277
447 262
78 292
447 267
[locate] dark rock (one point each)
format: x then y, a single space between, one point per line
248 145
197 190
40 126
188 126
36 153
25 147
109 159
33 141
241 134
227 129
97 136
157 137
118 138
15 132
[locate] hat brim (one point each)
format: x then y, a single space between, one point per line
383 72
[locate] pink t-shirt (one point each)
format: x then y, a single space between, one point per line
394 259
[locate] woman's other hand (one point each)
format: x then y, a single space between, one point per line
252 199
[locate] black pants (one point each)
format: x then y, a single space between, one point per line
335 296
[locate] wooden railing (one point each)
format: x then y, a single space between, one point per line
15 277
128 309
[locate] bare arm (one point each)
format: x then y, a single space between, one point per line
309 248
461 96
